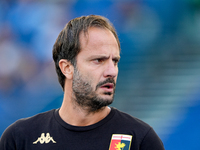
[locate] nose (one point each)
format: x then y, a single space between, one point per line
111 70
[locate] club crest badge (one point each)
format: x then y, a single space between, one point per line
120 142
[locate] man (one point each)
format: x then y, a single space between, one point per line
86 55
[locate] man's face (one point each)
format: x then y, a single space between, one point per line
96 69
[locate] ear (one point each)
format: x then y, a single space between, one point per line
66 68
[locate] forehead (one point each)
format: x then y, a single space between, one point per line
98 40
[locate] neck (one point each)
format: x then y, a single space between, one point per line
74 114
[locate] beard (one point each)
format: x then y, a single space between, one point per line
86 97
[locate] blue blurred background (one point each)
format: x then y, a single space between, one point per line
159 78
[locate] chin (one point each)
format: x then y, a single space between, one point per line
107 96
100 103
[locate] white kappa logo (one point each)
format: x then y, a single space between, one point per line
44 139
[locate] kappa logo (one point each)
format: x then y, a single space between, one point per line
44 139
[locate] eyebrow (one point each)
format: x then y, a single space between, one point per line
118 57
103 57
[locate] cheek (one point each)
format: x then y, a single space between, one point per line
116 79
117 73
91 79
93 75
94 79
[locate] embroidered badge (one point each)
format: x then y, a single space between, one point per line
44 139
120 142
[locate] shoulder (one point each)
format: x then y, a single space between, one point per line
23 130
38 117
130 120
130 124
141 131
24 125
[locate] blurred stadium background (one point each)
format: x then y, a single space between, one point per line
159 78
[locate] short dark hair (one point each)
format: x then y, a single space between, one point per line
67 45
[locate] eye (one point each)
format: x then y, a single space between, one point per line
98 60
116 61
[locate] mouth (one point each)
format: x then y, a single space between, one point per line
108 87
